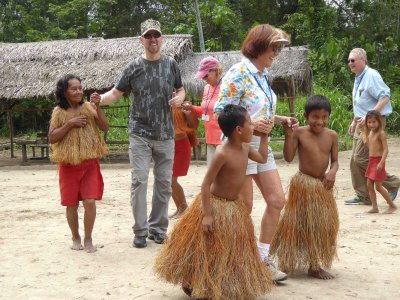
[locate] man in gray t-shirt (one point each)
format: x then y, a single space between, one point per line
151 84
155 84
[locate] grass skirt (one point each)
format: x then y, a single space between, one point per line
306 234
223 265
79 144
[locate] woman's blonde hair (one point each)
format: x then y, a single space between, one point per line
219 70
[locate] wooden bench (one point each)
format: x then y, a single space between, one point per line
42 144
44 150
23 144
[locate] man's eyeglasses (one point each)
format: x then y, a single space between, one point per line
351 61
277 48
155 35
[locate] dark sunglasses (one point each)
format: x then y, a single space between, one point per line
277 48
351 61
206 76
155 35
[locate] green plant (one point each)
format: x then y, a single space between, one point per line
340 117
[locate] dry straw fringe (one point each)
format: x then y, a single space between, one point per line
78 144
223 265
306 234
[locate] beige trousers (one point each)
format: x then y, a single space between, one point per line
359 164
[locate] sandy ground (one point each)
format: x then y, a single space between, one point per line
36 262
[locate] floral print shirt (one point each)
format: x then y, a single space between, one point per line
245 85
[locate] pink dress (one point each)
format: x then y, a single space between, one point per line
213 132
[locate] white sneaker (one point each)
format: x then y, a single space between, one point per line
277 275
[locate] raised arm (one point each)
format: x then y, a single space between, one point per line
212 171
99 117
291 142
197 110
260 156
190 115
101 120
178 96
109 97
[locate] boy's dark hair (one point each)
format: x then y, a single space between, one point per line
62 86
231 117
317 102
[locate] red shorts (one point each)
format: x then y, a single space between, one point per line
80 182
183 153
372 173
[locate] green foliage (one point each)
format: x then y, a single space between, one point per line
340 117
118 115
330 66
393 121
330 32
201 133
31 116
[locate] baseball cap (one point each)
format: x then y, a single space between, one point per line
205 65
148 25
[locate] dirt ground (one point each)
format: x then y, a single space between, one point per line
36 262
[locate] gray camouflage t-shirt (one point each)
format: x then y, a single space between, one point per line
151 84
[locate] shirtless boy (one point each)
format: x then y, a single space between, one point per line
212 251
307 231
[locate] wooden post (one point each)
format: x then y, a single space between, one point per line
291 92
9 116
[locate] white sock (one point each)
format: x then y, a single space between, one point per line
263 249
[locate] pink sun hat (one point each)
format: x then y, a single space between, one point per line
205 65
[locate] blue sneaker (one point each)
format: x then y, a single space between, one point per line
355 201
393 194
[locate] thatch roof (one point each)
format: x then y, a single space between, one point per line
29 70
290 66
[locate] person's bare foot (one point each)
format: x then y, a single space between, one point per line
179 213
320 274
373 210
390 210
89 247
76 244
172 216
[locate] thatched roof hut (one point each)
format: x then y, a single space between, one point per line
29 70
290 72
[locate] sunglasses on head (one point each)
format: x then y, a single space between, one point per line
277 48
351 61
155 35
